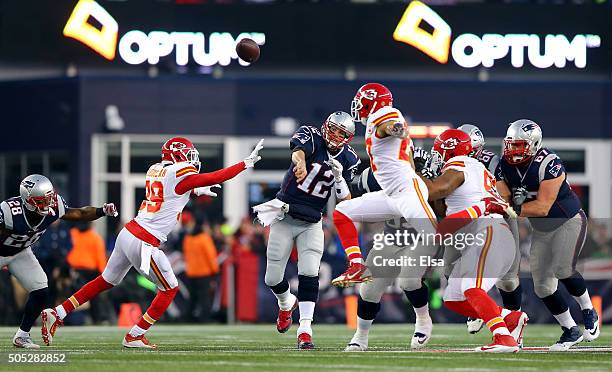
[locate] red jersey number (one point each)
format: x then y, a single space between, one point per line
154 196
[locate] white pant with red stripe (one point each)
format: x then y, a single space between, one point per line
410 203
481 264
128 254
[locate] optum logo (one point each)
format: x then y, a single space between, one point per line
470 50
137 47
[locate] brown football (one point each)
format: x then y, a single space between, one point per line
247 50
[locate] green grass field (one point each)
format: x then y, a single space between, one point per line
259 347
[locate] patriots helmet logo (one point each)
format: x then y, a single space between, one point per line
529 127
28 185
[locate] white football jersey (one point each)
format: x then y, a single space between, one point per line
478 183
389 156
162 207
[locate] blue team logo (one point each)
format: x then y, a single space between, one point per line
302 137
28 185
554 170
529 127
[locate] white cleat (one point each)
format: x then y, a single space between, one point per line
50 322
419 341
569 338
23 342
474 325
355 347
591 325
422 333
138 342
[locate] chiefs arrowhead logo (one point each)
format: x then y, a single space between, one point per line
174 146
449 144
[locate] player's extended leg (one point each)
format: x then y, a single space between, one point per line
571 236
545 286
27 270
280 243
476 273
160 273
370 294
310 250
509 285
370 207
116 268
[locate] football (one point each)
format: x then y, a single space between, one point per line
247 50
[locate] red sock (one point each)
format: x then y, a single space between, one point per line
462 307
486 308
160 303
348 236
86 293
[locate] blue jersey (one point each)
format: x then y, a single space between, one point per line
308 199
489 159
20 231
546 165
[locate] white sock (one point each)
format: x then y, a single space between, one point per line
21 333
501 331
306 310
61 312
505 312
137 331
285 300
422 312
363 327
565 319
584 301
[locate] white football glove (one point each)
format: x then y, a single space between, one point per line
337 169
110 210
254 157
206 190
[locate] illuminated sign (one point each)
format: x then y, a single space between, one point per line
137 47
469 50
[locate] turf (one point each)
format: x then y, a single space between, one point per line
260 348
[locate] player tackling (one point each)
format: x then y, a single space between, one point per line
169 185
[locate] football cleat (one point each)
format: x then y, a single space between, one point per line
24 342
305 342
569 338
419 340
591 325
500 344
474 325
50 322
138 342
355 273
355 347
516 322
285 318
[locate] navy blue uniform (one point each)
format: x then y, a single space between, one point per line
489 159
19 231
545 165
308 199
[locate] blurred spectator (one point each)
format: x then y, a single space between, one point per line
88 259
201 268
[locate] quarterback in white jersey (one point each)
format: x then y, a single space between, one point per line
168 186
480 234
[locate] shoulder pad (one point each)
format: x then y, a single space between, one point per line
384 114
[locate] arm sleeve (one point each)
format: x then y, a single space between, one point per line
207 179
303 139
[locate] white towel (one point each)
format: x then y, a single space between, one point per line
145 257
269 212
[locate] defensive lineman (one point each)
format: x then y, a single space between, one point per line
23 219
169 185
534 179
320 160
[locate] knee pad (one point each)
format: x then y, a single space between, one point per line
367 310
418 297
508 285
274 275
370 293
544 288
308 288
410 284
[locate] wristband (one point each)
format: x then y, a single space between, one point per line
342 190
100 212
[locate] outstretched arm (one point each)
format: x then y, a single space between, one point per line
86 214
442 186
208 179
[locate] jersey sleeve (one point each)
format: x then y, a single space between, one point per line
1 219
351 166
62 206
499 172
493 164
385 114
458 165
303 139
551 169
